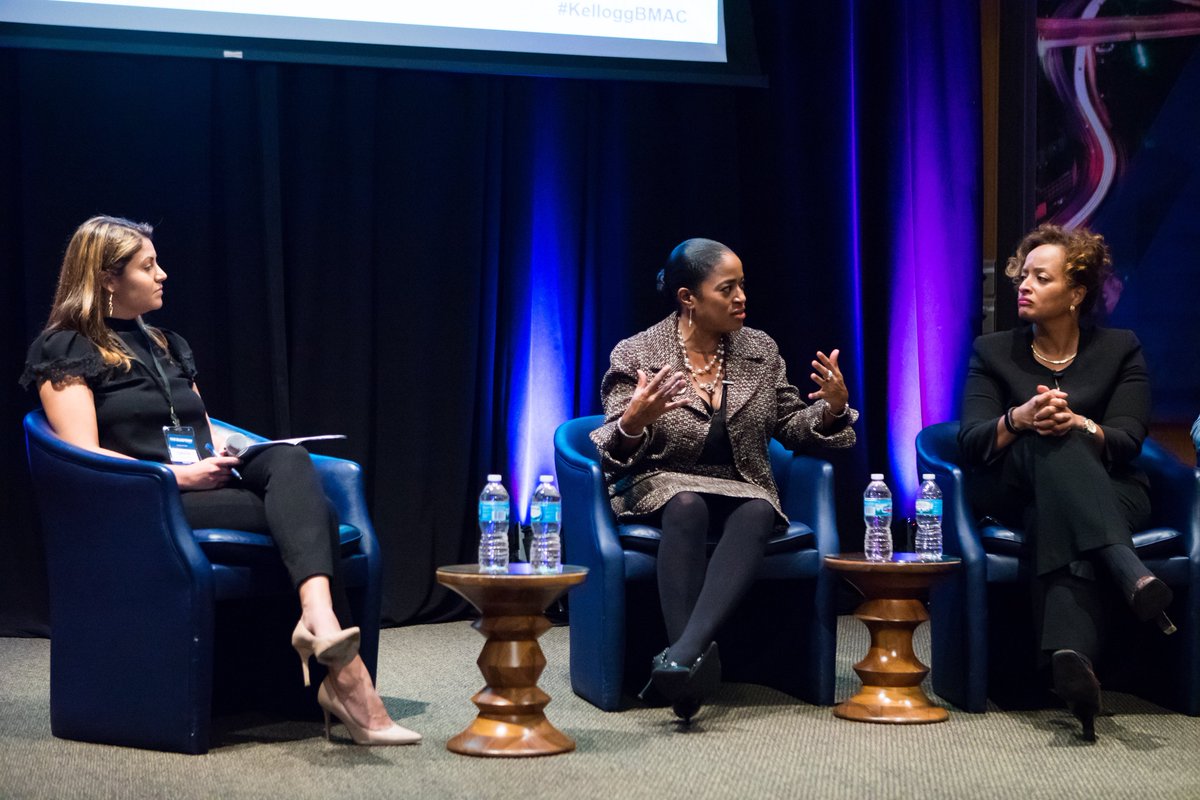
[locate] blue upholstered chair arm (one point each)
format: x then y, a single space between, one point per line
1174 494
959 605
593 540
937 452
137 502
807 497
590 540
124 570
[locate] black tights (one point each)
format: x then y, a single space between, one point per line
280 493
696 600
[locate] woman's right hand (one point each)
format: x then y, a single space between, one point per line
211 473
652 398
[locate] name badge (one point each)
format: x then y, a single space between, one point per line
181 444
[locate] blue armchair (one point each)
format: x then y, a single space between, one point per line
981 620
783 634
135 594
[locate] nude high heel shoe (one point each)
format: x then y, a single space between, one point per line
332 706
332 651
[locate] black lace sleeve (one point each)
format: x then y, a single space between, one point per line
59 355
181 351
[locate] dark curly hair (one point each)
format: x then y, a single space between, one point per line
1088 262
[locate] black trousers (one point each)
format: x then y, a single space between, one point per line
280 493
1058 490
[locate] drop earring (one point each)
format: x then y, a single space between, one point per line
110 297
689 317
1072 308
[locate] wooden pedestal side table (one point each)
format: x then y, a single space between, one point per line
891 673
511 720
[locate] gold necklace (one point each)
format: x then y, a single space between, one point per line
1058 362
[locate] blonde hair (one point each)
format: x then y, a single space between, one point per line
100 247
1087 259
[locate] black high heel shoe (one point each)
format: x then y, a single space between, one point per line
1149 600
1076 683
686 686
650 694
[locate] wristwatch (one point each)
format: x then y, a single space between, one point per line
1089 426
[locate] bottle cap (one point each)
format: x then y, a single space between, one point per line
876 476
546 478
928 476
493 477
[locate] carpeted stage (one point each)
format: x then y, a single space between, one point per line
750 742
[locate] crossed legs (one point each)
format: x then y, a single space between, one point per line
280 493
697 599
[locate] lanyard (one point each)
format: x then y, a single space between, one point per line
164 385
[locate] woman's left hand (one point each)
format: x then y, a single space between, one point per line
831 385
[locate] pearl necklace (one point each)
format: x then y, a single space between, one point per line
716 360
1059 362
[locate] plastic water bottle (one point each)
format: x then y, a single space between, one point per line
929 520
545 512
877 515
493 526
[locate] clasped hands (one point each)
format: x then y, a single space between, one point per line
1047 413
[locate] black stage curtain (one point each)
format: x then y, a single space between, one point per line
342 245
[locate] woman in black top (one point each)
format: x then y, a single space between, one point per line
111 384
1053 415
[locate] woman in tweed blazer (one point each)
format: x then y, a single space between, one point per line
690 405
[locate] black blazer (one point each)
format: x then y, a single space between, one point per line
1107 382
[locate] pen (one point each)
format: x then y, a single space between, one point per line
208 446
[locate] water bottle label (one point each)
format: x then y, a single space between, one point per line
930 506
877 507
535 512
493 511
550 512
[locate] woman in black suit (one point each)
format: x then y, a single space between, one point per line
1053 415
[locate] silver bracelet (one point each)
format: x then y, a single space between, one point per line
621 431
845 411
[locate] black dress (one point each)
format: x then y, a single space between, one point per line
279 491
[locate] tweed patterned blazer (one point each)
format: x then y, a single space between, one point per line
759 404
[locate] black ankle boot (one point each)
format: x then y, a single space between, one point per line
1149 600
1147 595
1076 683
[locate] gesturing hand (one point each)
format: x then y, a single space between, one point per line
652 398
211 473
831 385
